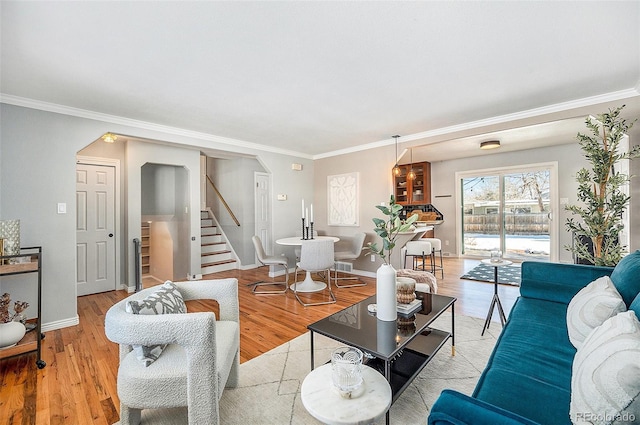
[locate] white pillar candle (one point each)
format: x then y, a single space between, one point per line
306 215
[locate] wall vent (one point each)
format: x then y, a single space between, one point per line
344 267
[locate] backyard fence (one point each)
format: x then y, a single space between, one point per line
515 224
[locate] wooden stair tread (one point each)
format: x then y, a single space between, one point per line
218 263
215 253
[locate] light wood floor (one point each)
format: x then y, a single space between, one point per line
78 385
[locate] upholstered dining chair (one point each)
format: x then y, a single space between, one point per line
200 356
436 247
352 253
298 249
316 255
416 249
270 260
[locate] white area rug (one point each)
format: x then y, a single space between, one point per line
269 390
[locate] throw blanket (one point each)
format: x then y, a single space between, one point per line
421 278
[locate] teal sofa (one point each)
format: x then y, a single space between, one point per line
527 379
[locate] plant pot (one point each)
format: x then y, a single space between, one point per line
11 333
386 293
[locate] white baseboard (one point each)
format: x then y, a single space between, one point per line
364 273
59 324
129 289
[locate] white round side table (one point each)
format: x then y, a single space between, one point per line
323 402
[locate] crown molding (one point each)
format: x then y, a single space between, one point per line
501 119
230 144
233 144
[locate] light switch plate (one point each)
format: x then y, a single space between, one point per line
62 208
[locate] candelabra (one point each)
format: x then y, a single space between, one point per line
307 231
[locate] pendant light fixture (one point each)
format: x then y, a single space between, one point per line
109 138
396 168
412 174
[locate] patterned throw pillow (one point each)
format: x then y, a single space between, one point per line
590 307
605 380
166 300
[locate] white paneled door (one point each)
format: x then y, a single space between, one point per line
95 226
263 209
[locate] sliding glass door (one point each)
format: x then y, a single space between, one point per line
508 210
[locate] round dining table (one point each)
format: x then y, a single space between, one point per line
308 284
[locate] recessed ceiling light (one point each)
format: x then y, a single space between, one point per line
490 144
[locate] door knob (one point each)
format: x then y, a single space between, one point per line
110 235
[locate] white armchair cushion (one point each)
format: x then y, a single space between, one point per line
166 300
173 366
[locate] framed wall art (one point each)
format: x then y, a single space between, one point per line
342 196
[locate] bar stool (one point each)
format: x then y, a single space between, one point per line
417 249
436 246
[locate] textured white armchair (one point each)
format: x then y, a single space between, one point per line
202 357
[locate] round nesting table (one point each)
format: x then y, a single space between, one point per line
496 300
323 402
308 284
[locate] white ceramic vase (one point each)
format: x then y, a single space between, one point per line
386 293
386 336
11 333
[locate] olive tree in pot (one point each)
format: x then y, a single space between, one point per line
596 233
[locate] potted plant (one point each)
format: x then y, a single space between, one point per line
12 327
388 230
596 234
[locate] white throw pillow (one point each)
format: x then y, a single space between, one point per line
605 380
590 307
166 300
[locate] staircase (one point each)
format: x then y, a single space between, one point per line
216 255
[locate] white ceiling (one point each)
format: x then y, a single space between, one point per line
319 78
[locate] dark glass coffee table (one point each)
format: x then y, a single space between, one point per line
399 349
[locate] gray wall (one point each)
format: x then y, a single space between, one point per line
165 197
375 186
186 253
634 191
374 167
38 152
234 180
443 184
